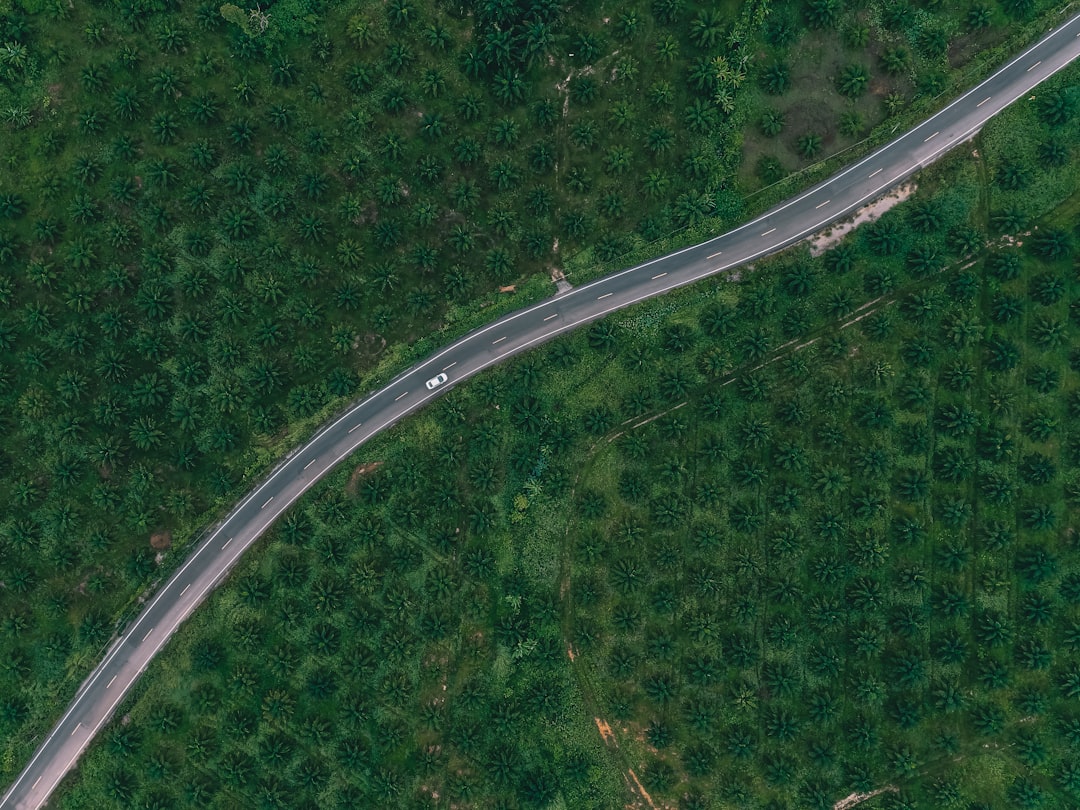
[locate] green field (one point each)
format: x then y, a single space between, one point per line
213 236
764 543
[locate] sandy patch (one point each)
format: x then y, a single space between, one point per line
161 540
640 791
605 731
562 87
823 240
859 798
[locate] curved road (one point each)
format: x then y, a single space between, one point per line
789 222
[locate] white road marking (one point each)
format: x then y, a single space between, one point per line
768 231
822 205
185 589
447 368
930 138
264 505
984 101
605 295
714 255
110 682
310 463
354 427
500 340
399 396
552 315
877 172
148 632
1034 66
34 786
225 545
661 275
77 727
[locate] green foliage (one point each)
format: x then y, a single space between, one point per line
188 278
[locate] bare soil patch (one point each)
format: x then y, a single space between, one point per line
358 473
823 240
161 540
859 798
641 797
606 733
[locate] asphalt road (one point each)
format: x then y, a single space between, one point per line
789 222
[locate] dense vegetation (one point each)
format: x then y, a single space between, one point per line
827 73
762 543
208 232
857 566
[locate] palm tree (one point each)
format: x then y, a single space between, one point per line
933 42
894 102
776 78
851 124
509 88
926 215
398 57
852 81
707 28
1052 243
700 116
1052 154
822 13
809 145
979 16
923 260
772 122
1057 108
1013 175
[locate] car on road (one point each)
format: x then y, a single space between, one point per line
435 382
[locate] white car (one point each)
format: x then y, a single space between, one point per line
435 382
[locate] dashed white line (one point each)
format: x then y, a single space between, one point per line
148 632
185 589
661 275
714 255
822 205
1034 66
34 786
768 231
399 396
500 340
77 727
984 101
876 172
110 683
310 463
225 545
447 368
354 427
552 315
605 295
931 137
264 505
